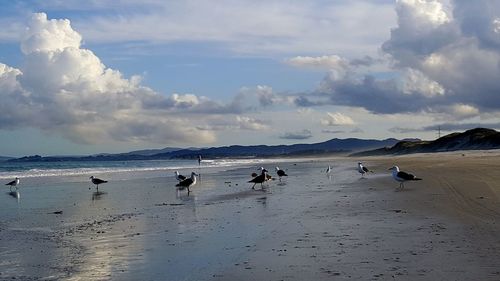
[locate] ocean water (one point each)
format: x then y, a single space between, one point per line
144 168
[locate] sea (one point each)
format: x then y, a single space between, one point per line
142 168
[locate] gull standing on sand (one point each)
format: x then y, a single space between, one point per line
268 176
97 181
259 179
187 182
280 173
362 169
15 182
401 176
179 177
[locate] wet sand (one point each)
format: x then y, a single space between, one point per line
310 226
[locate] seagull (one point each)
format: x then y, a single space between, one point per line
97 181
329 169
268 176
259 179
187 182
179 177
13 183
401 177
280 173
363 170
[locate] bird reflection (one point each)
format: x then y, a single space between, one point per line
281 183
15 194
97 195
184 196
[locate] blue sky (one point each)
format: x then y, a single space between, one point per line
112 76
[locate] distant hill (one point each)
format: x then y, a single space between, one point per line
327 147
475 139
149 152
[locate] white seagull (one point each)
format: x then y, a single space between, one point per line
362 169
401 176
179 177
13 183
187 182
329 169
97 181
280 173
268 176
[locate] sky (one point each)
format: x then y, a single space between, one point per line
85 77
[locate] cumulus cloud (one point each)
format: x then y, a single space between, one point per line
265 95
65 89
44 35
337 119
261 96
416 82
446 57
300 135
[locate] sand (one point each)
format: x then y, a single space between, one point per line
310 226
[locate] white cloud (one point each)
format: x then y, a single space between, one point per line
64 89
242 27
218 123
43 35
464 110
322 62
247 123
496 25
299 135
184 101
446 57
337 119
422 12
416 82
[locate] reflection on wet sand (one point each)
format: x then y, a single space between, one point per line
109 250
16 195
185 197
97 195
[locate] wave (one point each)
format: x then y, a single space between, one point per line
78 169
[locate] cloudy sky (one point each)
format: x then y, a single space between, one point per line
80 77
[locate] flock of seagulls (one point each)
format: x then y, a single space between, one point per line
185 182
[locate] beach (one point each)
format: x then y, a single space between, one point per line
309 226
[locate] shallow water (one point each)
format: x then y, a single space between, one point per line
140 228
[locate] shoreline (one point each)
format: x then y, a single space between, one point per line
309 226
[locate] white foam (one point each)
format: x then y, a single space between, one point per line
152 166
